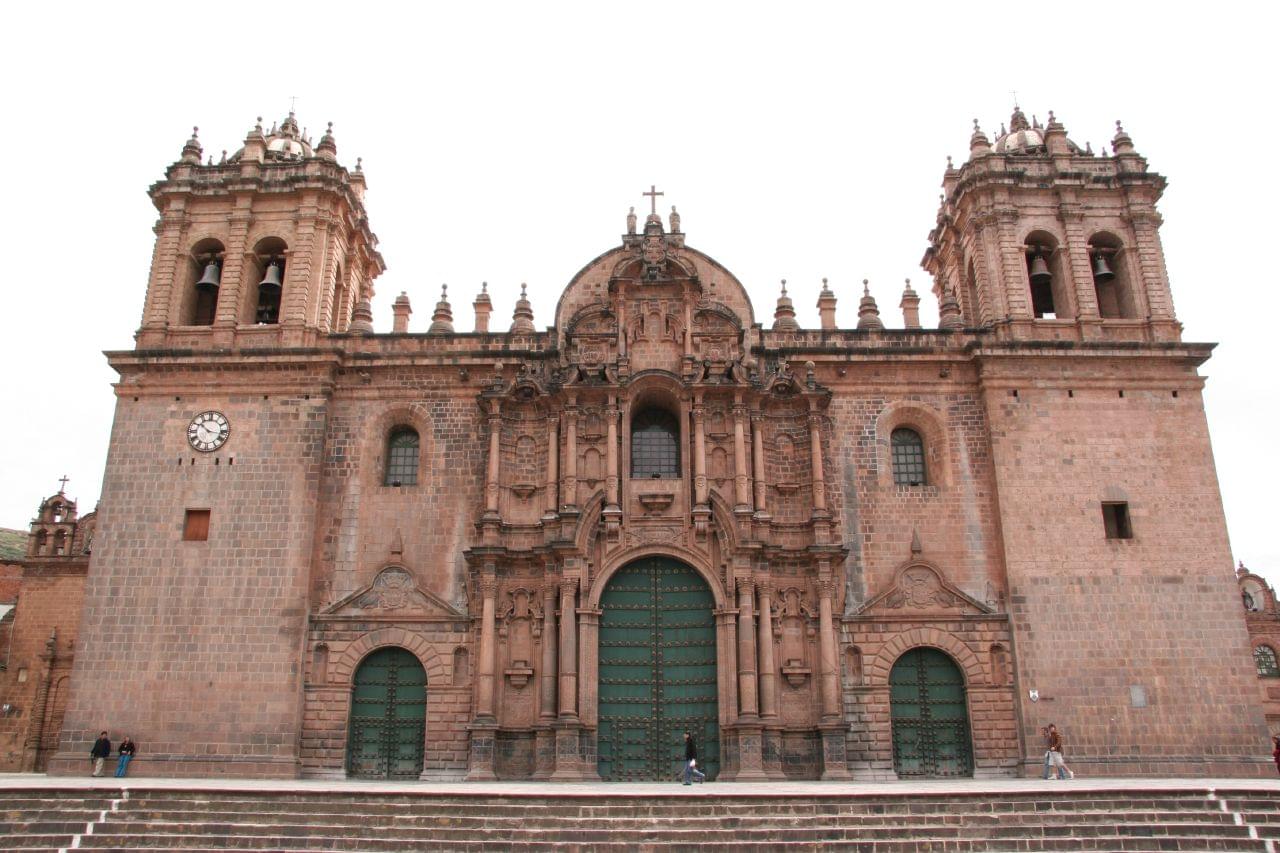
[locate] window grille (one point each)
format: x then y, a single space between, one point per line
402 458
1264 658
908 457
655 445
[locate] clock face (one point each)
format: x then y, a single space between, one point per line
208 431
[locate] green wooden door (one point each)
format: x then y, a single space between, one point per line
388 716
657 672
930 719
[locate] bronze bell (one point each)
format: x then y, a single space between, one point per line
1101 269
271 278
211 277
1040 270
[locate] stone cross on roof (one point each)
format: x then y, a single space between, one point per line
653 198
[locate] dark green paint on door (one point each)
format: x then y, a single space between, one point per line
388 716
930 719
657 672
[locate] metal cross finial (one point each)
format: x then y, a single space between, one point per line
63 481
653 199
293 102
1014 92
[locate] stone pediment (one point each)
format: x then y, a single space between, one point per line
919 587
393 591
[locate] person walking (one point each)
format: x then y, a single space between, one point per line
100 753
1275 752
691 761
1053 754
127 749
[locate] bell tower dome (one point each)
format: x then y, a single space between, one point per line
1039 238
268 247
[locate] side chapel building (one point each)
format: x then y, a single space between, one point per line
511 553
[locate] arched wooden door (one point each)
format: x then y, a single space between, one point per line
388 716
930 716
657 672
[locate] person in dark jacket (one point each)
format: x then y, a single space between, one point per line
127 749
100 753
691 761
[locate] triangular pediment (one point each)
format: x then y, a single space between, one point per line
920 588
393 592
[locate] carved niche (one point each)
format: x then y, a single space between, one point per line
521 624
794 628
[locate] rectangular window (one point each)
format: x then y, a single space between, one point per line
195 527
1115 518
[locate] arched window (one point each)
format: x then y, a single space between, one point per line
270 253
908 457
655 444
1264 658
402 458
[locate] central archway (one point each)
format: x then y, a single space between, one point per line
657 672
388 716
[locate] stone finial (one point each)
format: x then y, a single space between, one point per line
949 316
401 310
328 147
950 166
1121 143
362 318
522 317
1055 136
979 145
255 144
868 312
1241 571
916 547
1088 149
910 306
827 306
631 221
1018 120
784 316
484 307
442 319
675 220
191 151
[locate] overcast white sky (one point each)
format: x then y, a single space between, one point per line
506 142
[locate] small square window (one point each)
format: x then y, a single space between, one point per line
1115 518
195 527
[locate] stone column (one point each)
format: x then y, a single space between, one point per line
699 455
748 707
757 458
768 678
488 647
815 449
588 689
495 459
553 468
611 415
742 493
229 310
39 706
545 742
835 764
569 495
568 650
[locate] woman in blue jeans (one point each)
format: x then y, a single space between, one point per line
127 749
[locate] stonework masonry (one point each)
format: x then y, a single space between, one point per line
874 552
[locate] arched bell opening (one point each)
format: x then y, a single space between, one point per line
1111 281
1045 277
386 731
658 674
930 716
204 274
268 281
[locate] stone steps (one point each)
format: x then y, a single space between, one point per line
1063 819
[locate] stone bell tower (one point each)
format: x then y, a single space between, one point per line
267 247
1043 239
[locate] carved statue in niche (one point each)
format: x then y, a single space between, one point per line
521 623
794 630
920 588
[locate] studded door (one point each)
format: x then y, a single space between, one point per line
657 672
930 717
388 716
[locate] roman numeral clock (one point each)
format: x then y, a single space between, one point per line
208 431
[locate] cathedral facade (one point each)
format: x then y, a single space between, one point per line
872 552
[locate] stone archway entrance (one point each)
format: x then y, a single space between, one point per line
930 716
388 716
657 672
